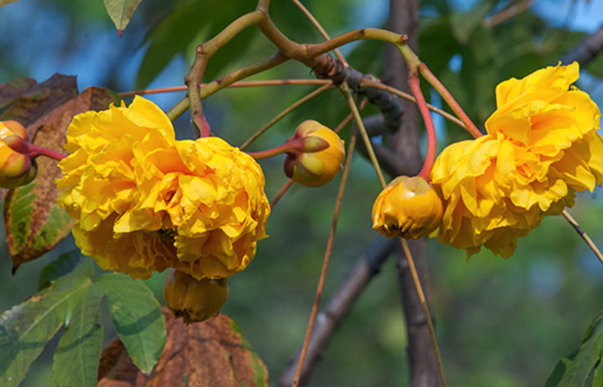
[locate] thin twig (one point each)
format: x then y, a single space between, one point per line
228 79
350 117
415 278
319 27
408 97
288 110
583 234
281 192
367 141
367 266
508 13
325 265
446 96
241 84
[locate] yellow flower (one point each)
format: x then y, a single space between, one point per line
408 207
542 146
144 201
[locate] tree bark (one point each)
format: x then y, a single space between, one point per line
403 18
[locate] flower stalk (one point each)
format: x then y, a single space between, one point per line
32 151
413 81
456 108
293 146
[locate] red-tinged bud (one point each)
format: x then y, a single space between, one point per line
409 207
14 127
194 300
15 167
317 164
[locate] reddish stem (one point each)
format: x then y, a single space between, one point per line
36 151
413 81
294 146
456 108
32 151
202 124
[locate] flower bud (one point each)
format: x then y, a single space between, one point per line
322 155
194 300
15 168
409 207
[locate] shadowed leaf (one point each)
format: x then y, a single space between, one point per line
13 89
137 317
30 101
26 328
189 24
121 11
33 221
574 370
77 355
211 353
64 264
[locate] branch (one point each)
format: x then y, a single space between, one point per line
204 53
423 364
508 13
332 316
586 50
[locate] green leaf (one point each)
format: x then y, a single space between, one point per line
574 370
121 11
598 376
464 24
137 317
26 328
189 24
64 264
170 37
78 353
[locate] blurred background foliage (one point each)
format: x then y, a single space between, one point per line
500 323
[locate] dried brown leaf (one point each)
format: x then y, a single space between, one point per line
30 101
34 224
212 353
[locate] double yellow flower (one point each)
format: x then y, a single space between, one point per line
541 147
145 202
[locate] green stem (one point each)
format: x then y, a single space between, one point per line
227 80
423 300
367 141
204 53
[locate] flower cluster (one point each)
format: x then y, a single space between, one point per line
541 147
145 202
